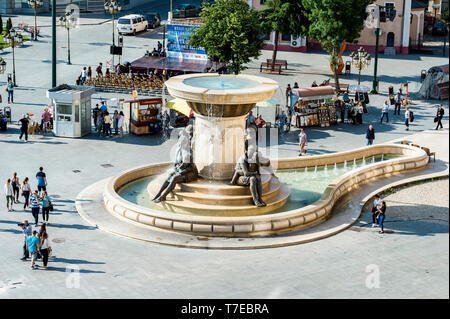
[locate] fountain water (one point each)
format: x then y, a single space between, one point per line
364 161
335 168
345 164
373 159
326 170
315 170
306 170
382 157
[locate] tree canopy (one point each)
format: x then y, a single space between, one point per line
333 21
231 33
285 17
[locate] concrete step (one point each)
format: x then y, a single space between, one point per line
193 208
274 186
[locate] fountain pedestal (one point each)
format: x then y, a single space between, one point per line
218 143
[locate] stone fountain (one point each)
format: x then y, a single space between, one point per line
220 104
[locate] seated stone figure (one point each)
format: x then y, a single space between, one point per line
247 173
184 170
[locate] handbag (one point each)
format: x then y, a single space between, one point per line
435 119
50 207
49 251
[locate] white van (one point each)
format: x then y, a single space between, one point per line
131 23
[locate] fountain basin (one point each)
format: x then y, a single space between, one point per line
206 95
283 221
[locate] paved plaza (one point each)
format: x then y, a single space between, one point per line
412 258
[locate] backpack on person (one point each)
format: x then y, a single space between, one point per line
411 116
98 69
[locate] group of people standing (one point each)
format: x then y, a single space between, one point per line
105 123
36 245
378 213
33 200
348 108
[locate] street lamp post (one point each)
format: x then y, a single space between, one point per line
35 4
15 40
113 7
360 59
67 21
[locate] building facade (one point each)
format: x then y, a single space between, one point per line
396 37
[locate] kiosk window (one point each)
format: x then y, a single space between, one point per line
64 109
77 113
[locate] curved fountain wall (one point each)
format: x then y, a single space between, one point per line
413 158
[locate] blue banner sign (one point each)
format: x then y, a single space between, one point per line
178 43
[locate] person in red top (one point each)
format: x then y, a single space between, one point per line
259 121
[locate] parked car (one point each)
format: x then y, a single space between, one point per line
153 19
439 28
131 23
186 11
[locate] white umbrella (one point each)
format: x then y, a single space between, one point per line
359 88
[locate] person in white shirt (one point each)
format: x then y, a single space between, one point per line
9 195
407 115
377 201
385 112
120 123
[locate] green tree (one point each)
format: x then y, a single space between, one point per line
285 17
8 25
1 24
231 33
444 15
333 21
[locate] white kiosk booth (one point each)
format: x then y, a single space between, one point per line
72 110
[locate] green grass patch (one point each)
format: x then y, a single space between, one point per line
4 44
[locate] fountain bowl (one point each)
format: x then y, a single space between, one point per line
211 94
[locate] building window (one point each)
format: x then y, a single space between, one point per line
262 1
389 6
286 37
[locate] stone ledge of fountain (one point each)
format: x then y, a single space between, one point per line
270 224
265 90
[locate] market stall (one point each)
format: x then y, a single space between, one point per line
144 115
315 107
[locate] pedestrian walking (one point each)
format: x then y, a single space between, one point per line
99 124
381 210
83 75
439 116
27 231
9 195
26 191
107 124
121 123
398 102
359 114
99 69
115 120
33 248
376 203
10 90
288 93
46 203
342 106
370 135
23 122
385 112
45 249
16 187
89 73
303 141
41 180
35 206
103 107
407 117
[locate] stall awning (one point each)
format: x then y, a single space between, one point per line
180 106
315 93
